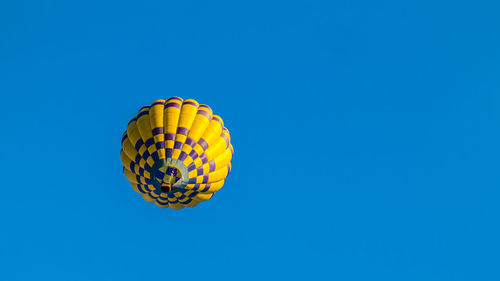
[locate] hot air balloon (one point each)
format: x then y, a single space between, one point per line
176 153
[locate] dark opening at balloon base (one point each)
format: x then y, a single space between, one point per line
165 188
167 177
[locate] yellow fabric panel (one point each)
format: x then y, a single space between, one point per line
211 135
161 153
218 118
153 195
186 118
203 196
152 149
163 197
133 133
213 130
219 146
171 120
223 159
225 131
156 114
150 161
200 124
129 149
144 126
125 160
175 206
214 186
193 174
130 176
148 198
142 149
134 186
142 180
220 161
218 175
160 205
169 144
192 203
180 138
156 119
142 163
188 112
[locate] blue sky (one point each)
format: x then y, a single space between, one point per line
366 138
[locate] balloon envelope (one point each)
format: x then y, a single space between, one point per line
176 153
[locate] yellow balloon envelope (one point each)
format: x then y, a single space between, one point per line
176 153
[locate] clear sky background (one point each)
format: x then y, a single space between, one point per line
366 138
